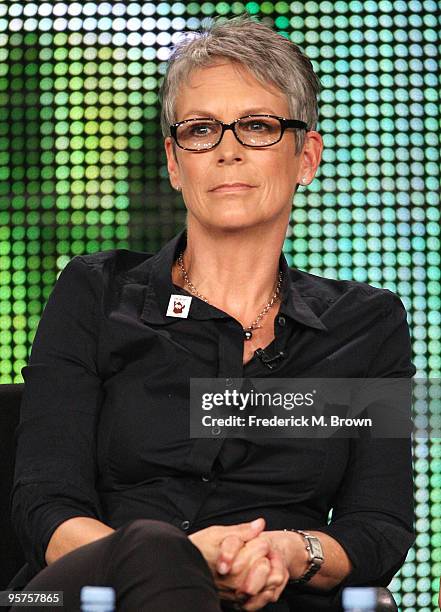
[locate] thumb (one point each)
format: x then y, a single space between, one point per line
248 531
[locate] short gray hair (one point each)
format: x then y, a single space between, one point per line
271 58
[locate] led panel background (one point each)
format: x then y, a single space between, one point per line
82 168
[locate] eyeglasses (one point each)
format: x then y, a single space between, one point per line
203 133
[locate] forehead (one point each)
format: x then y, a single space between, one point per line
227 87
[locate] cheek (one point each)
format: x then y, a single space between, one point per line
196 172
280 175
195 180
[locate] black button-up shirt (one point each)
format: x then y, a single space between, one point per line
104 424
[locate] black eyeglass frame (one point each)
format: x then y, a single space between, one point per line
284 125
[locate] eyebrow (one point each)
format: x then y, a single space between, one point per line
248 111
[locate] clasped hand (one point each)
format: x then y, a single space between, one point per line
249 566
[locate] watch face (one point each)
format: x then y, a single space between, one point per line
316 548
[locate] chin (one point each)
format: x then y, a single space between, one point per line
233 225
229 219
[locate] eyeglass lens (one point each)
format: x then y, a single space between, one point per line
199 134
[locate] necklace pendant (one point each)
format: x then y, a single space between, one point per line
247 334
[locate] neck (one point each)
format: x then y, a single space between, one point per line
235 271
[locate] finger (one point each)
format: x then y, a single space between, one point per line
270 594
241 533
248 554
259 601
256 526
229 548
278 572
276 592
256 578
247 531
256 602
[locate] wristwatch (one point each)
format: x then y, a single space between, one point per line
316 558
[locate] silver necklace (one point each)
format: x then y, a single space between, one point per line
247 331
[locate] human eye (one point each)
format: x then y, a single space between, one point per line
198 129
258 124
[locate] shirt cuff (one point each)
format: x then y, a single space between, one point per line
48 522
375 556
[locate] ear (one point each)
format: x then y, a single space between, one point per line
311 156
172 162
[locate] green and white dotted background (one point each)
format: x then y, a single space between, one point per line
82 169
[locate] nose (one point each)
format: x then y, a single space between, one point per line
229 149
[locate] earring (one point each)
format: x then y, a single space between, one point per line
178 188
304 179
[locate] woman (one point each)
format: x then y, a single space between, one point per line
103 439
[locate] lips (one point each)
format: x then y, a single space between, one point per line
232 187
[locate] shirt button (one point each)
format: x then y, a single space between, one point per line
281 321
205 479
228 381
216 431
185 525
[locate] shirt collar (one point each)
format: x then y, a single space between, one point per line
293 304
161 287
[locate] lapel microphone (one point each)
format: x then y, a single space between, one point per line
269 362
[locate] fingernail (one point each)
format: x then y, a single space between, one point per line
255 523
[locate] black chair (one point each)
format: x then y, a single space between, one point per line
11 555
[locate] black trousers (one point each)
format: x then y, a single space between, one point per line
152 566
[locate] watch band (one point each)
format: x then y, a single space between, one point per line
316 558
